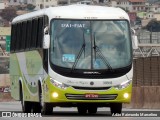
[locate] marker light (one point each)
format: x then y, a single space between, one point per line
55 95
126 95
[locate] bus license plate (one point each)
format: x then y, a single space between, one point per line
91 95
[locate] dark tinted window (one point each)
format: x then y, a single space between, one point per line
40 32
13 37
18 34
24 29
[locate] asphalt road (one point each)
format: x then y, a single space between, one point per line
72 114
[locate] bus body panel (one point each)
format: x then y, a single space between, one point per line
27 68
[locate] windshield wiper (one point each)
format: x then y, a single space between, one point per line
79 54
97 50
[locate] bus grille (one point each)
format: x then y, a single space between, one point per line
91 88
83 97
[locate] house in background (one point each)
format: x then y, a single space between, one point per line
157 16
154 8
2 5
39 4
130 5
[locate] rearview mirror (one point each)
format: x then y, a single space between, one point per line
46 41
134 39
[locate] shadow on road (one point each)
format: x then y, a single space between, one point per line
76 114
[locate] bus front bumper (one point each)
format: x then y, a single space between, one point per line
71 95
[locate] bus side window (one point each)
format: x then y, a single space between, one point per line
29 32
46 21
27 36
30 35
40 33
21 37
13 37
34 33
24 29
18 36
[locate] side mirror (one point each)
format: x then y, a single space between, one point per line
46 41
134 39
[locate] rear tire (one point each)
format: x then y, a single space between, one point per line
116 108
26 106
36 107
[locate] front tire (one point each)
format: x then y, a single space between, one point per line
92 110
46 108
82 110
116 108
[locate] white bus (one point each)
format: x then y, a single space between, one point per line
72 56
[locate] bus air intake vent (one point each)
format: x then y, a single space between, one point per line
91 88
94 97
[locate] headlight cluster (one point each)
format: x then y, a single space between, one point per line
58 84
123 85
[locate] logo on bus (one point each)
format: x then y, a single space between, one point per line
91 73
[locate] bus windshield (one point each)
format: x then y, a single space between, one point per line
90 44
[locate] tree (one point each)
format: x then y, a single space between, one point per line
153 26
30 7
8 14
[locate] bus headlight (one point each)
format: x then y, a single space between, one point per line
123 85
58 84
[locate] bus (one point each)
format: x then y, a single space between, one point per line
72 56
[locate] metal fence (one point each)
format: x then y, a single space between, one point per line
145 36
146 71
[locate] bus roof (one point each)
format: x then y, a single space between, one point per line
76 12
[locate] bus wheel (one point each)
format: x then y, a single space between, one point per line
36 107
92 110
26 106
116 108
82 110
47 109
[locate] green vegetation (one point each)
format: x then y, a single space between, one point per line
153 26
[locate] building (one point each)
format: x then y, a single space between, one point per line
6 3
15 2
4 31
130 5
39 4
86 2
132 16
154 8
157 16
50 3
2 5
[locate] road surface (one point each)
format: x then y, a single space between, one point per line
71 114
